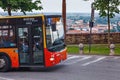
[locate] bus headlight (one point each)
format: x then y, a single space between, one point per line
52 59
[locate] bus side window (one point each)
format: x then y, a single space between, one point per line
7 42
1 42
11 42
7 36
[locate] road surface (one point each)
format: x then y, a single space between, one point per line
76 67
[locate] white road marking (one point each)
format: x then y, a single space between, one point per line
6 78
90 62
72 57
116 57
76 61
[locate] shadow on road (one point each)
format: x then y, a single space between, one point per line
39 69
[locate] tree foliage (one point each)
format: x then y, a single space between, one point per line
22 5
107 8
107 5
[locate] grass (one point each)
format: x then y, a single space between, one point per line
96 49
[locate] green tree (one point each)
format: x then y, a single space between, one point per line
22 5
107 8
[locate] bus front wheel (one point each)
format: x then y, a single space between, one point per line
4 64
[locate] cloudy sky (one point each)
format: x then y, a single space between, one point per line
72 6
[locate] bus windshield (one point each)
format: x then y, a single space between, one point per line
54 31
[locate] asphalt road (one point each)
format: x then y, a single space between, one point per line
76 67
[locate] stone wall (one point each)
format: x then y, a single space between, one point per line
97 38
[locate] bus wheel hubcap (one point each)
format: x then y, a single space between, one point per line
2 63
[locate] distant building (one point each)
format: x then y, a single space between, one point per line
76 32
102 27
79 26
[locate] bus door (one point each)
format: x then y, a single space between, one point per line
37 48
30 45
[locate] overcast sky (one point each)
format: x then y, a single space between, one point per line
72 6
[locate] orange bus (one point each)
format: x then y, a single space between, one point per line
35 40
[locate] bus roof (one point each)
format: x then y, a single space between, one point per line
25 16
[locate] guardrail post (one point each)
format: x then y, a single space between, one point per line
81 48
112 49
